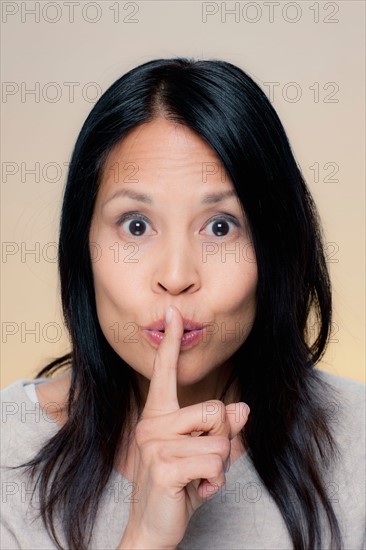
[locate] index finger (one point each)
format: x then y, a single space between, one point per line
162 396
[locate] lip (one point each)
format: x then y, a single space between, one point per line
188 340
193 335
187 324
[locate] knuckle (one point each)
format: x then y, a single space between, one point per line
161 475
143 431
224 446
220 445
153 452
214 408
215 466
148 449
221 405
222 409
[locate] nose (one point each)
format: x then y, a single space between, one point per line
176 269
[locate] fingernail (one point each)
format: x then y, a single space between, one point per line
168 315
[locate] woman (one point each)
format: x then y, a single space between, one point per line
191 260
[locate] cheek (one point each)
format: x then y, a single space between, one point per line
237 309
115 295
116 292
115 271
233 283
235 302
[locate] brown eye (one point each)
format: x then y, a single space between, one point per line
221 226
134 224
137 227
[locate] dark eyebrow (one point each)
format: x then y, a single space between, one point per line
131 195
211 198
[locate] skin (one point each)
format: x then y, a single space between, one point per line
174 473
137 276
168 266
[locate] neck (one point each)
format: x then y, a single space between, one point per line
206 389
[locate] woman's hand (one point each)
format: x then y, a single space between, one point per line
174 472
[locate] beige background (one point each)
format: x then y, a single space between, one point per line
312 49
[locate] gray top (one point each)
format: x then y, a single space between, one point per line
242 515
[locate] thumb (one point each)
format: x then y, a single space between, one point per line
237 414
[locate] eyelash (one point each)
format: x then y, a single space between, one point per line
135 215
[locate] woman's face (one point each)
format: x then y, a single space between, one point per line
168 229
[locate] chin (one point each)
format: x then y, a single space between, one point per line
190 373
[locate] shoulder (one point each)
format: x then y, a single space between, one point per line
343 383
346 476
343 394
349 389
25 426
345 404
25 429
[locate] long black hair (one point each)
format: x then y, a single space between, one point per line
288 435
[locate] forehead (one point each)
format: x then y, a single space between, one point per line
163 146
152 138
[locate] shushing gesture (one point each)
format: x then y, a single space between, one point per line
173 471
